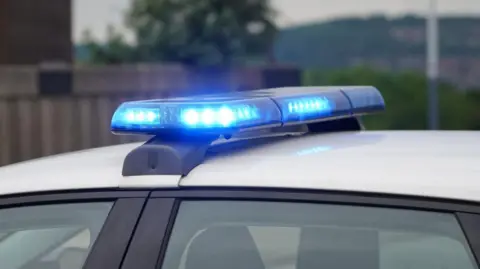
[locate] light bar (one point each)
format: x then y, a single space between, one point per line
229 113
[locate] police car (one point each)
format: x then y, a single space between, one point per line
270 179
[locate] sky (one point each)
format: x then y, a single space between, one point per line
97 14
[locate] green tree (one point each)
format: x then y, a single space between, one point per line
406 99
201 32
474 98
114 51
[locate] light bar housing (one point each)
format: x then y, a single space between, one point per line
233 112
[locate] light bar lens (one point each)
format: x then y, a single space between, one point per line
364 99
313 106
263 108
310 105
142 117
223 116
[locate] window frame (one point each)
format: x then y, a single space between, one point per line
148 249
119 226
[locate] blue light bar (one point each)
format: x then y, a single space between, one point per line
229 113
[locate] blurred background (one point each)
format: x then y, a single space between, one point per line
66 64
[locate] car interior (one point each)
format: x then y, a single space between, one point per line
233 247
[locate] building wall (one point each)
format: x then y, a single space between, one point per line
3 28
35 31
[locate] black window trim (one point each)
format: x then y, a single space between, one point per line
24 199
115 237
163 208
151 237
321 196
470 224
158 213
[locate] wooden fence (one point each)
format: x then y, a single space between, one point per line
34 125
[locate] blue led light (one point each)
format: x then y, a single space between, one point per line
201 115
229 113
224 116
317 105
305 108
140 116
310 105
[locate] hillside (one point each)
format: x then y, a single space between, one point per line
337 42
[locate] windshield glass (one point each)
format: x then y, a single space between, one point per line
50 236
275 235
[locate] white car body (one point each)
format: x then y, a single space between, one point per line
441 164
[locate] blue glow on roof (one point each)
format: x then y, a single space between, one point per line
255 109
313 150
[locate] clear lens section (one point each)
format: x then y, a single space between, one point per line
155 115
364 98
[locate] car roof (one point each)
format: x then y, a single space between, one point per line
441 164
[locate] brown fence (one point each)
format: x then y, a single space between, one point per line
34 125
60 80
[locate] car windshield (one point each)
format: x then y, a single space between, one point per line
50 236
281 235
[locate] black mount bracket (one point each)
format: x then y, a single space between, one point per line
338 125
171 156
178 155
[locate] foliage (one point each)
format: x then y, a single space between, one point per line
192 32
208 32
115 51
474 97
406 99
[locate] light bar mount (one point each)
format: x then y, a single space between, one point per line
167 156
338 125
178 155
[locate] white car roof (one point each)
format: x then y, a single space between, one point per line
419 163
